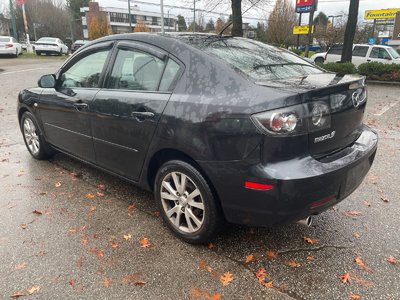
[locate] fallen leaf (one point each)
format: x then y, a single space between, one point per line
261 273
93 208
37 212
100 194
226 279
310 240
107 282
355 296
89 196
271 254
101 186
216 296
356 234
71 282
17 295
293 264
209 269
269 284
360 262
20 266
24 226
99 253
367 204
131 207
353 213
391 259
58 184
310 258
249 258
386 200
114 244
210 245
127 236
131 279
145 243
33 289
345 278
202 265
139 282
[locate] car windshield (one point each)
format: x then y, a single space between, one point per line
393 53
259 61
4 39
46 40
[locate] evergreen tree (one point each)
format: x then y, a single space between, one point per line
181 23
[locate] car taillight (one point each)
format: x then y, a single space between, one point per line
9 45
294 120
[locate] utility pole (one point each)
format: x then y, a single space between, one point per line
129 16
162 16
298 36
310 28
14 24
194 16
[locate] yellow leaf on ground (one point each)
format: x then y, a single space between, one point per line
355 296
293 264
145 243
89 196
249 258
33 289
310 240
127 236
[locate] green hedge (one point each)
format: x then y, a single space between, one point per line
341 68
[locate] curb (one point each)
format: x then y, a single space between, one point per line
383 82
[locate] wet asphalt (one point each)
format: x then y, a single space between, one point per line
69 231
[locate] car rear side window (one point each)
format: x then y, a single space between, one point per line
86 71
170 73
360 51
136 70
4 39
336 49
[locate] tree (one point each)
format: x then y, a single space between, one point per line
210 27
181 23
321 19
219 25
98 26
261 32
350 32
141 26
280 24
75 7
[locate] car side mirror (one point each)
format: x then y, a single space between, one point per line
47 81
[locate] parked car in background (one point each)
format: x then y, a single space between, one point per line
363 53
276 141
77 44
314 48
10 46
24 45
50 45
318 58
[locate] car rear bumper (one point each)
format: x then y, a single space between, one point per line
7 51
301 186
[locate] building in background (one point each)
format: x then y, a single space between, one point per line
4 25
118 18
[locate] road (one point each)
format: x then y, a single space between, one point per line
69 231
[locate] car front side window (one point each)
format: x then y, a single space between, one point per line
380 53
85 72
136 70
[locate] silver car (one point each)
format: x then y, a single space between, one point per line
10 46
50 45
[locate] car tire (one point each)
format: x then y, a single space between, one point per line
60 53
16 53
319 61
38 53
33 138
187 203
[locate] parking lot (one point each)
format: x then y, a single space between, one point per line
69 231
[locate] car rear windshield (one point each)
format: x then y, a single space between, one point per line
4 39
259 61
393 53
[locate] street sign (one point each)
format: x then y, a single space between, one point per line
371 41
302 29
381 14
304 6
384 22
385 41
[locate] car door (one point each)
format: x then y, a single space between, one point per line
127 111
380 54
65 109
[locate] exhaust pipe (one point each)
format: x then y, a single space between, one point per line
306 222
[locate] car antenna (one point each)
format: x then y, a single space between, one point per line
230 22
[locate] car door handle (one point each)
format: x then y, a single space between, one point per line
142 115
80 105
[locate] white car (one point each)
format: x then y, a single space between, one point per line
10 46
318 58
365 53
50 45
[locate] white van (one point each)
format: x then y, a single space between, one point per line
364 53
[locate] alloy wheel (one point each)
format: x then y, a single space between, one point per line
31 136
182 202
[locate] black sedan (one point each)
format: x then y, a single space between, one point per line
219 128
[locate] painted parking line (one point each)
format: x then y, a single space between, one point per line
386 108
21 71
